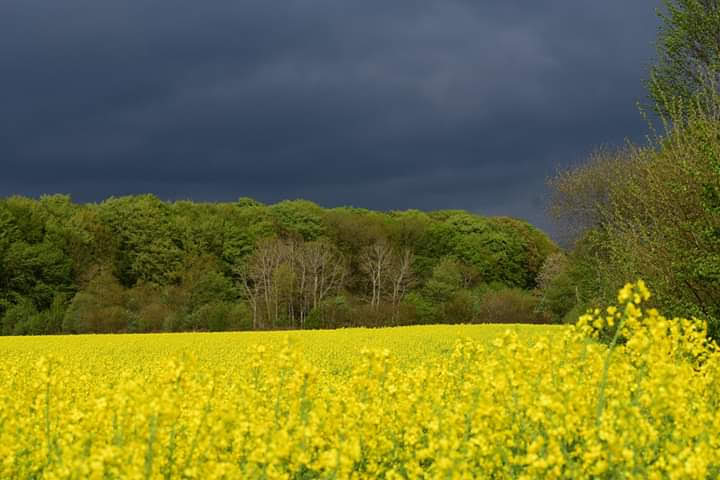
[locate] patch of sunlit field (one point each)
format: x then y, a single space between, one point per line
484 401
333 351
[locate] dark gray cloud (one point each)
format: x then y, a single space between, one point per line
403 104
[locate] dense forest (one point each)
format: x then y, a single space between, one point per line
139 264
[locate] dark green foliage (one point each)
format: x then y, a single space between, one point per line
36 271
218 316
100 307
424 310
559 297
571 282
17 316
509 305
138 264
461 307
334 312
26 320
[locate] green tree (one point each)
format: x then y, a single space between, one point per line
500 249
147 244
688 51
446 279
298 219
16 317
100 307
36 271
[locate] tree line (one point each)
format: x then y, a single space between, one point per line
140 264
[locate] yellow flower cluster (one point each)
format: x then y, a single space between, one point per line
529 403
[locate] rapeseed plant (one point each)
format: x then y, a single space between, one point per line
563 405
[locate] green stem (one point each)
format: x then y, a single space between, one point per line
151 440
47 414
606 369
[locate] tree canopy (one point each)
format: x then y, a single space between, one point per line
137 263
688 47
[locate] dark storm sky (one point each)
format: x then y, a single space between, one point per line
382 104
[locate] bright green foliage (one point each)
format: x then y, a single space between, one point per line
688 51
658 218
654 211
147 244
298 218
501 250
446 279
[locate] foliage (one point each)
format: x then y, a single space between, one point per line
17 316
138 264
658 218
499 249
221 316
688 51
509 305
446 279
147 242
654 211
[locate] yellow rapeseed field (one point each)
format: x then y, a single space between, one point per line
415 402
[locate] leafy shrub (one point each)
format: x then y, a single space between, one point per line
332 313
459 308
445 280
423 309
154 317
510 305
558 297
220 316
41 322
